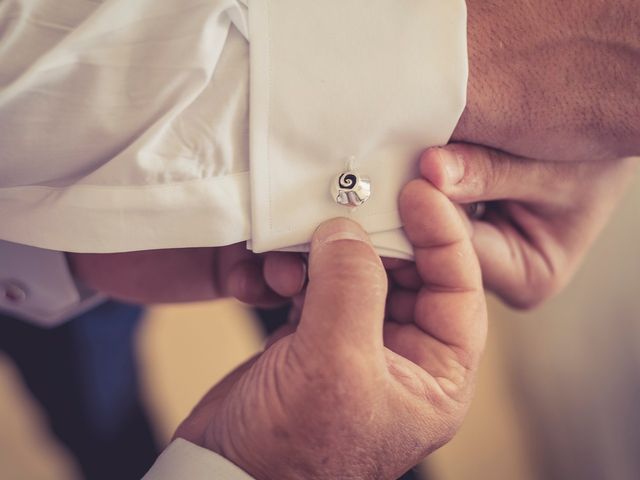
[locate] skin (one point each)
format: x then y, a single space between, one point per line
370 390
554 81
553 110
192 274
550 81
542 217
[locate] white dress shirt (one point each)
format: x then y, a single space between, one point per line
124 125
37 286
184 460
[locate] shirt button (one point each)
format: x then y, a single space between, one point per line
14 292
350 189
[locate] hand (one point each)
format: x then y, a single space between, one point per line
554 80
347 395
192 274
541 219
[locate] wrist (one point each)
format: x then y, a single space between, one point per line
263 462
206 442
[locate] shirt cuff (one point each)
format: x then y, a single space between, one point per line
347 84
183 459
36 285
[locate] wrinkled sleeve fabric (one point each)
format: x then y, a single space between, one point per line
184 123
369 83
123 124
37 286
184 460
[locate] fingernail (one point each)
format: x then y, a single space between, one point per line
338 229
453 165
303 278
305 274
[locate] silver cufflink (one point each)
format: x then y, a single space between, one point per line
350 189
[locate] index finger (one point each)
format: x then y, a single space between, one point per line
450 306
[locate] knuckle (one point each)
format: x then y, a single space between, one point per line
485 170
452 415
524 301
497 168
537 290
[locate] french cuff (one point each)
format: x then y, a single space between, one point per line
183 459
36 285
347 85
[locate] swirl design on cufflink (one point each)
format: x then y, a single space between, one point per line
348 181
350 189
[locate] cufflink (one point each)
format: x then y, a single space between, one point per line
350 189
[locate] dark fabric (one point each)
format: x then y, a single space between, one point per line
84 375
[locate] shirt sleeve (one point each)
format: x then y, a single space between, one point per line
183 459
123 125
355 85
36 285
126 128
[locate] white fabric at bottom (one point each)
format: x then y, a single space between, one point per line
185 461
392 244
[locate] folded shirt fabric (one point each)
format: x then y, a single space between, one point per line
184 123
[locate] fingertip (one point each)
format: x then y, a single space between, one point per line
338 229
345 240
444 167
285 273
431 167
245 282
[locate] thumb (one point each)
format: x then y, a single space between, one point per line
345 301
467 173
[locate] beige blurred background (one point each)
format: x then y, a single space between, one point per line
558 396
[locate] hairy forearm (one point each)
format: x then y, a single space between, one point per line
554 81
